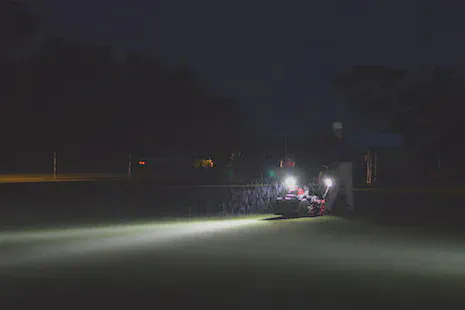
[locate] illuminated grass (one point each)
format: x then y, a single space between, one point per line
102 230
242 257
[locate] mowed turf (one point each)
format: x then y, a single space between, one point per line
248 262
104 244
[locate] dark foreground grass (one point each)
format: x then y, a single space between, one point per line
280 264
40 205
323 262
63 204
171 281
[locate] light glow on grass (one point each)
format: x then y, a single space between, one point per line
307 244
109 229
41 246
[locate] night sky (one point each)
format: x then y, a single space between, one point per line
275 58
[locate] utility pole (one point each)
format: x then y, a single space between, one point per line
285 147
264 166
130 167
54 166
439 160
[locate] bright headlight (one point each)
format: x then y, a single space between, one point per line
328 182
290 181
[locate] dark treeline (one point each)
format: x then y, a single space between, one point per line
79 96
428 110
69 96
74 98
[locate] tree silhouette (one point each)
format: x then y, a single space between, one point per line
433 108
372 90
428 107
77 96
429 112
16 23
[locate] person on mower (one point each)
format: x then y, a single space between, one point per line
341 169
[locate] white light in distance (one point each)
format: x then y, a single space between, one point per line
328 182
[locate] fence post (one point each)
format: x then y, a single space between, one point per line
54 166
130 167
190 203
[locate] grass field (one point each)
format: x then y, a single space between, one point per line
257 261
112 243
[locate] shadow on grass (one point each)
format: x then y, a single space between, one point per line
428 212
283 217
277 218
249 283
280 218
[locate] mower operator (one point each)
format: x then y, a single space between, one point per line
341 168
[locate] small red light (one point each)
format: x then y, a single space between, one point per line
142 163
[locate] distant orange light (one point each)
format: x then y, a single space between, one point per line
142 163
